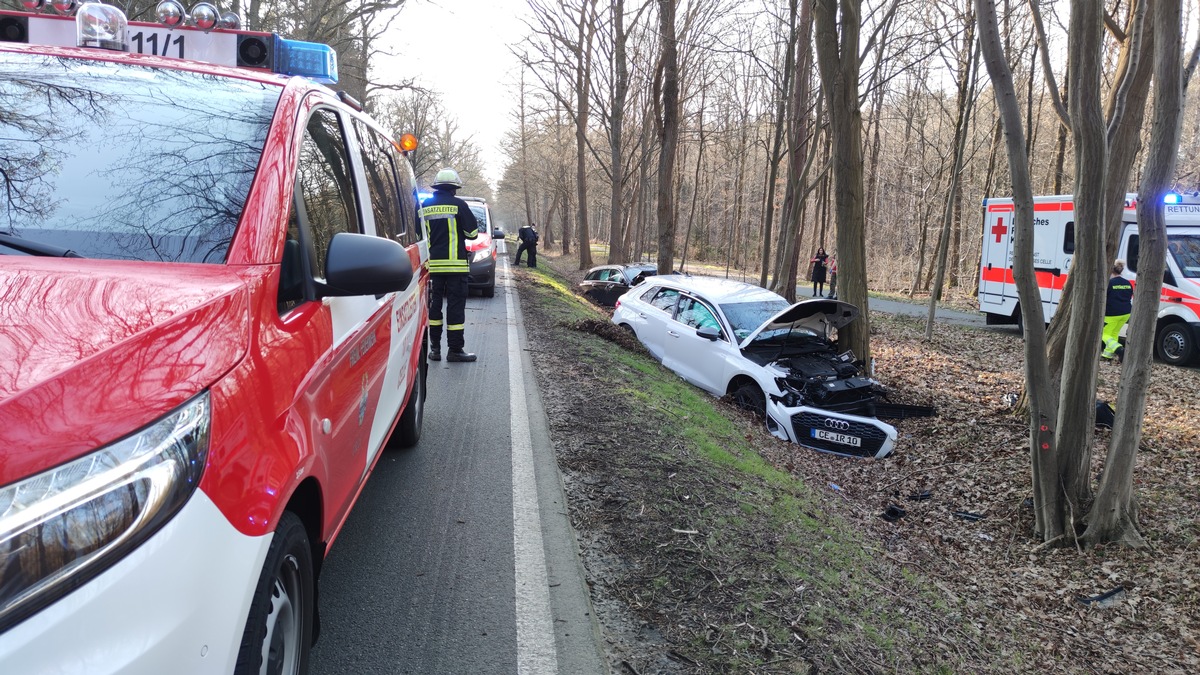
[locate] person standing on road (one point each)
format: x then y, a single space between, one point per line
529 238
833 278
1117 306
448 224
818 272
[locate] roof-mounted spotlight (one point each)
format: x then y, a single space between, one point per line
33 5
229 21
170 13
204 16
64 7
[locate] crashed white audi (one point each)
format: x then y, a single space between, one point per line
774 358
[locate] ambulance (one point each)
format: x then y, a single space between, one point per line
212 326
1178 330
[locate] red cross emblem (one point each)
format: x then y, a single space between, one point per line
999 229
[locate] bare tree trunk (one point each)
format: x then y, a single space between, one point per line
1041 398
668 135
838 57
1114 514
966 102
583 82
687 237
776 151
616 249
525 154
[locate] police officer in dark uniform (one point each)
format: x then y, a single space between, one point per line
528 237
448 224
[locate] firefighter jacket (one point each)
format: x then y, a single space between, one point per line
448 224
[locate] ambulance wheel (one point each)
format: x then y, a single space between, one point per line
749 397
278 633
408 429
1175 344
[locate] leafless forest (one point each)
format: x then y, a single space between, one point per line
754 129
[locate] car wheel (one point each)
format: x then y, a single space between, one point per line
408 429
749 397
490 291
1175 344
278 632
629 329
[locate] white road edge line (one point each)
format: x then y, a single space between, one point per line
535 628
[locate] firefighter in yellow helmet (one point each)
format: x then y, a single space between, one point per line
448 224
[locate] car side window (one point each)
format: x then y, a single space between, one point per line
594 275
665 299
648 296
696 314
326 187
381 180
292 267
1131 256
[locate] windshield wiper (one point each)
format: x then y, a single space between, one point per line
36 247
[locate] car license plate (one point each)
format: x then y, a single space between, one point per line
834 437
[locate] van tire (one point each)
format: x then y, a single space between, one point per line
408 429
283 611
1175 344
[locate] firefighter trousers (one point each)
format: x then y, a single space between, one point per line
451 288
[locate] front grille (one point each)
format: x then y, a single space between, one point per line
872 436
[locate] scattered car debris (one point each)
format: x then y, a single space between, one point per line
1104 599
901 411
1010 399
967 515
921 496
1106 416
893 513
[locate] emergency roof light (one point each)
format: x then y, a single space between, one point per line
408 143
1172 198
210 37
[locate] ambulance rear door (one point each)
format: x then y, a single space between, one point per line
995 275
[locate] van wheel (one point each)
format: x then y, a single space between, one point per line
408 429
1175 344
278 632
749 397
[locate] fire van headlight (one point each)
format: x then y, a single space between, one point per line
61 528
481 255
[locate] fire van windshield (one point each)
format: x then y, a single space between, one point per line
127 162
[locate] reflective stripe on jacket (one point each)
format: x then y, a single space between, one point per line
448 224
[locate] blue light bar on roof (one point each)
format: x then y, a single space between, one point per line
1172 198
308 59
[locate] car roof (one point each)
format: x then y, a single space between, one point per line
481 200
717 289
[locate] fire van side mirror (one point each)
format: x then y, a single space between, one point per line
361 264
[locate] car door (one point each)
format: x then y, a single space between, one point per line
702 361
653 317
343 391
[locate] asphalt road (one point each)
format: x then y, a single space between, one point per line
458 557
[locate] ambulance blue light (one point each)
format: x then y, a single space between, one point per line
1171 198
309 59
424 195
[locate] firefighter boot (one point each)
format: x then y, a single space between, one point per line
459 356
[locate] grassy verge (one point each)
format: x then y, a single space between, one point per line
737 563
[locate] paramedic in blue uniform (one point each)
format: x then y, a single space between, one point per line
448 224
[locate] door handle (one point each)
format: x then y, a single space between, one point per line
672 333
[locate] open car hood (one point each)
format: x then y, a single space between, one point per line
814 316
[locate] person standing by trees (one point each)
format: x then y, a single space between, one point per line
833 278
529 238
449 222
1117 307
818 272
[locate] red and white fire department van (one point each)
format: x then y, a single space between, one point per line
1178 331
212 322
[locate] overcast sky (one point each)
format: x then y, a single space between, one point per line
460 48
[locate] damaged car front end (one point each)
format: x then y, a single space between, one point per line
821 399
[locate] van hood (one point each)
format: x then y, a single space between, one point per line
92 350
812 316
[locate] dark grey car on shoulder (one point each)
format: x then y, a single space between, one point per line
605 283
